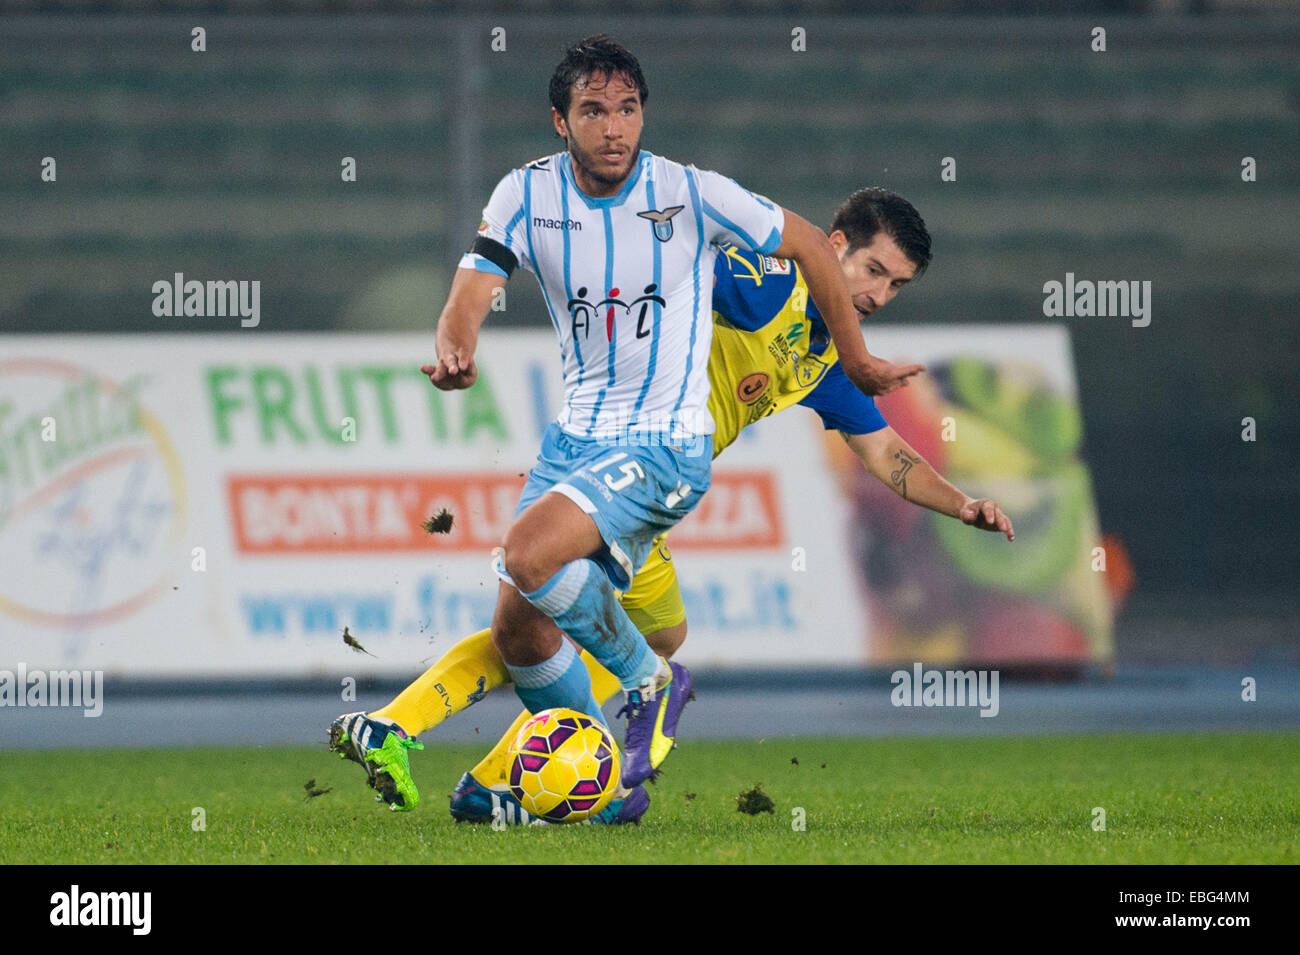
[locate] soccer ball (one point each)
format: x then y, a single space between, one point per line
564 766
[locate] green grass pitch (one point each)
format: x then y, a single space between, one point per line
1226 798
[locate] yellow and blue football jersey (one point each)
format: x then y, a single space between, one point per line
771 350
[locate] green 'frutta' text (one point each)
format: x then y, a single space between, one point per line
309 404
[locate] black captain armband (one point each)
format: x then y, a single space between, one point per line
496 253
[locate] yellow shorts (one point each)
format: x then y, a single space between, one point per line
654 601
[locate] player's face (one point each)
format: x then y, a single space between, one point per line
603 130
875 272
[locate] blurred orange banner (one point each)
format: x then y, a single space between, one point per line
353 513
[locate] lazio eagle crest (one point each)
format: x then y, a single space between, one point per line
663 221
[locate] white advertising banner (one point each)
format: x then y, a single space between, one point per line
225 505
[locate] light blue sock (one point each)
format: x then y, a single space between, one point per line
562 680
583 603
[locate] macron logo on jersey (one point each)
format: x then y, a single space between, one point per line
572 225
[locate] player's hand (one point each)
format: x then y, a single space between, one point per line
453 371
985 515
879 376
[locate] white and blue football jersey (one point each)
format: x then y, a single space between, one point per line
628 281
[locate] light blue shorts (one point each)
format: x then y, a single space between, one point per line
633 492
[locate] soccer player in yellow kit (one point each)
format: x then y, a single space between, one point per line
770 351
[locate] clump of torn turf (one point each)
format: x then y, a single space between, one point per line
312 791
440 523
755 801
355 644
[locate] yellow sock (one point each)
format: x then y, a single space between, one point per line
491 771
494 766
603 683
461 676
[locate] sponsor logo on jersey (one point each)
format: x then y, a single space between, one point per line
761 408
734 257
751 387
809 370
581 311
569 225
482 226
780 350
773 266
663 221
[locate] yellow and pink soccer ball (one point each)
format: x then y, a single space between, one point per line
563 766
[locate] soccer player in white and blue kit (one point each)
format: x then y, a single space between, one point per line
623 244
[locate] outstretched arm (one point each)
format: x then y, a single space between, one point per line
467 306
894 462
808 245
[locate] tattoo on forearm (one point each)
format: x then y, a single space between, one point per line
899 477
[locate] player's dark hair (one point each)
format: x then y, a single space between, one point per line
870 211
594 56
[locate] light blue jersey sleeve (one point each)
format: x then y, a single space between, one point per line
505 222
734 214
